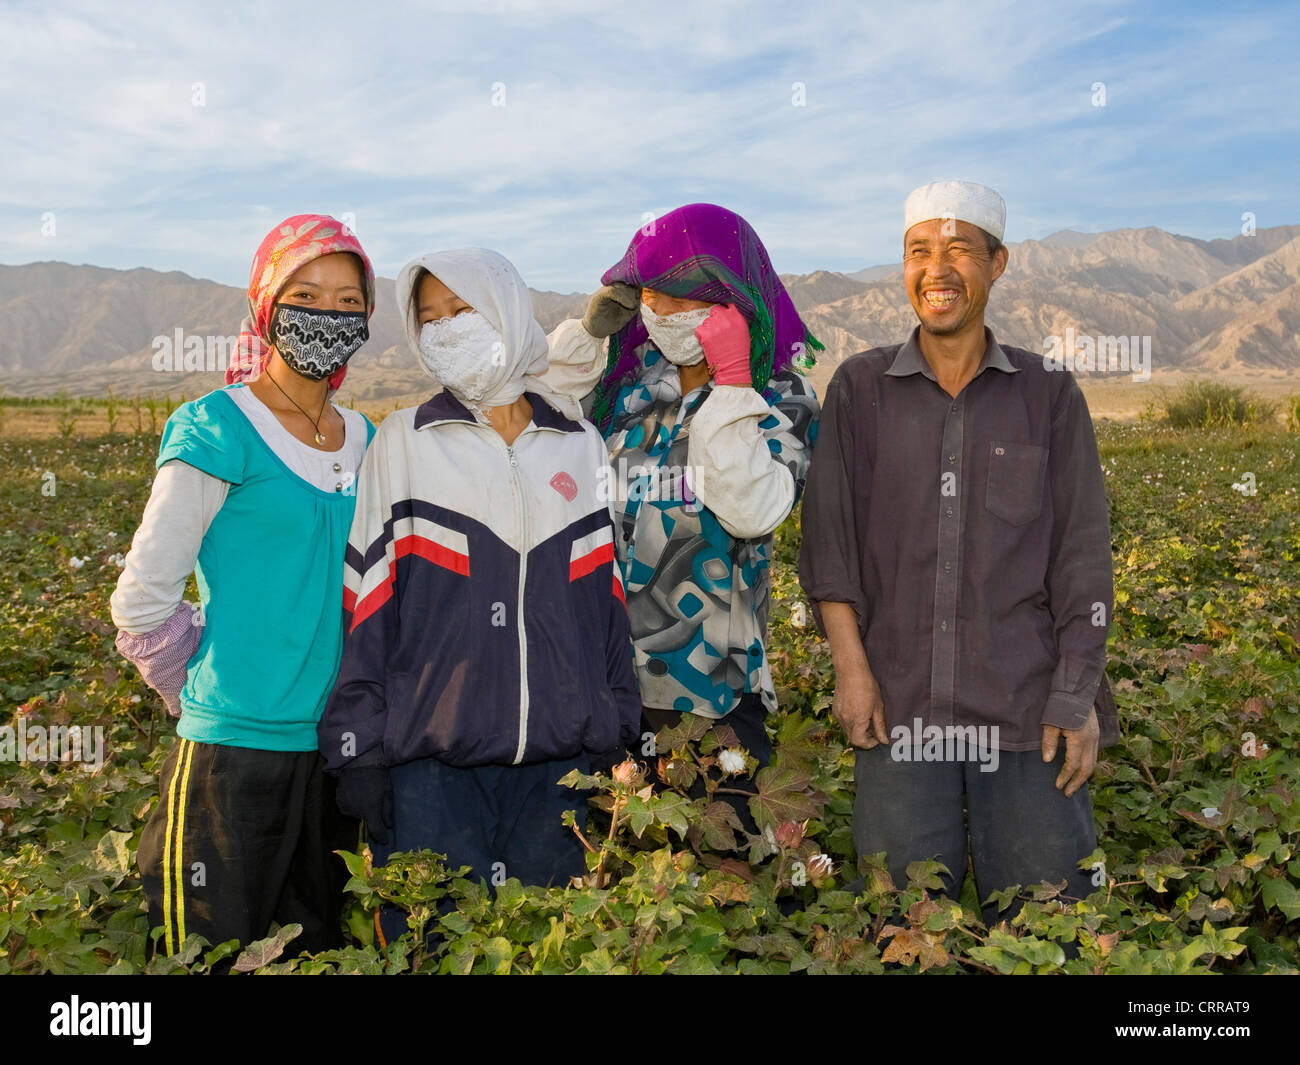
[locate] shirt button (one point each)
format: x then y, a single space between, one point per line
337 467
948 511
943 626
952 458
947 566
338 487
954 408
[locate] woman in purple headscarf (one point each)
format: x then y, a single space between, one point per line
710 428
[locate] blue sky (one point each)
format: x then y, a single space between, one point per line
615 111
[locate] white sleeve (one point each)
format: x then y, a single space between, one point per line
181 506
577 360
731 469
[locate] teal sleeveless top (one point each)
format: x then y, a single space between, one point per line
270 577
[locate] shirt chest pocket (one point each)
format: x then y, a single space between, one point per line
1015 486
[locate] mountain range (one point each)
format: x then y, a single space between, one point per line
1208 307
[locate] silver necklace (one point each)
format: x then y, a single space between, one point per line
320 439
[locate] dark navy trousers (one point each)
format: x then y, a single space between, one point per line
501 821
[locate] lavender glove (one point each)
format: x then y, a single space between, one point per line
162 655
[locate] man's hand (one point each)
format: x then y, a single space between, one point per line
859 708
1080 752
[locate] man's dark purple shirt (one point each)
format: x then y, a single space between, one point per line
972 537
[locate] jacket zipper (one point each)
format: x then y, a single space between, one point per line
523 576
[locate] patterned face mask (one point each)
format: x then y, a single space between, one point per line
315 344
674 334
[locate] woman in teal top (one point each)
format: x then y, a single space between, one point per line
254 494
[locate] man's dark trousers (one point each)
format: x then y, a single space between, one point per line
1022 828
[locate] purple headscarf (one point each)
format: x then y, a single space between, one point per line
705 252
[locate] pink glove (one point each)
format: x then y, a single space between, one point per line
162 656
724 336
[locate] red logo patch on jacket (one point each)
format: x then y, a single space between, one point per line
565 485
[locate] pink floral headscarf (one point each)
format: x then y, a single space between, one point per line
293 243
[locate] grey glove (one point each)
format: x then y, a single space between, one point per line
611 308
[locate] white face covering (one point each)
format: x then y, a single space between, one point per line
674 334
467 356
492 355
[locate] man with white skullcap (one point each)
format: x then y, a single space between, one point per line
956 549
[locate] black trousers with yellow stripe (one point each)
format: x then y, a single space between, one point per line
241 838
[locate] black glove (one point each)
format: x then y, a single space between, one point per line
611 307
366 793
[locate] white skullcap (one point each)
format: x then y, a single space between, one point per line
963 200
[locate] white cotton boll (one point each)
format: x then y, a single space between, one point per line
732 760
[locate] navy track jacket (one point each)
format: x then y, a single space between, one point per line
484 615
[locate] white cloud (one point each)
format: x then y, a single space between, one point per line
612 111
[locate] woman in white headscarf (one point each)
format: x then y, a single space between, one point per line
487 650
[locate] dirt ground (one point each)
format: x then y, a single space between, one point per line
1116 398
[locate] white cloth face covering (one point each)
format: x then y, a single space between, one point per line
489 283
467 355
674 334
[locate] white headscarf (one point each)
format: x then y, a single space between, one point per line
489 283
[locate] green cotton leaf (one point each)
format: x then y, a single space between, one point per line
782 795
1280 894
582 781
1270 843
356 863
999 959
190 950
552 945
927 874
801 736
720 824
456 923
265 951
1044 891
500 953
585 903
510 895
597 961
679 772
691 964
638 814
720 736
360 925
691 729
220 952
64 832
670 811
113 854
1039 951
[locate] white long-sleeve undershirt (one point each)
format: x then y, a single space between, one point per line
184 500
731 469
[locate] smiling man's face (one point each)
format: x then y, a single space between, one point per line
948 272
